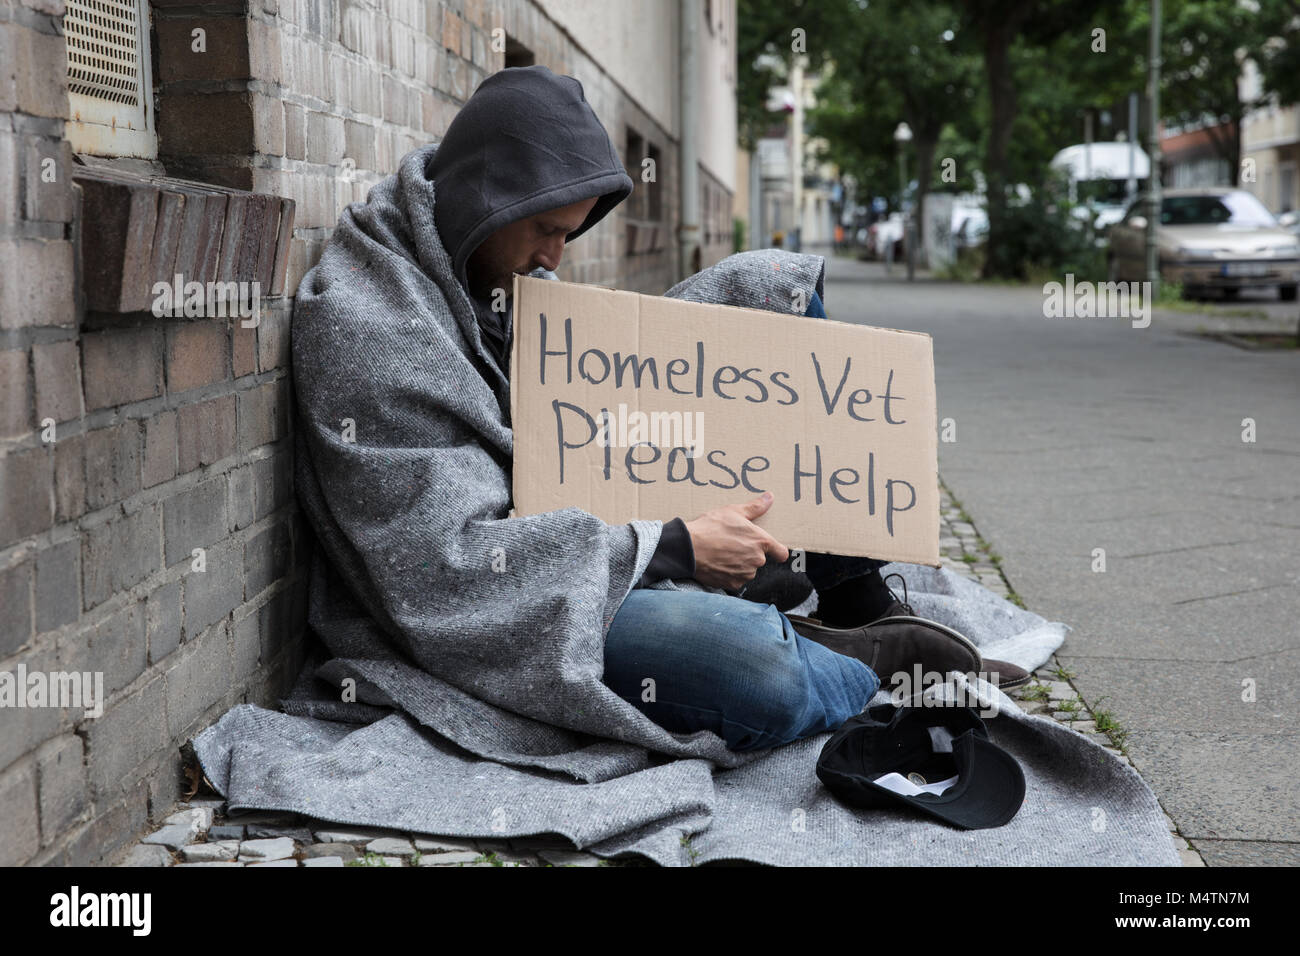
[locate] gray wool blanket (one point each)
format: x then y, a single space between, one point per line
459 700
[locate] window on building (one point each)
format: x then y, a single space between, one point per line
110 80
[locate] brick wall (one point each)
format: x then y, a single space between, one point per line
128 441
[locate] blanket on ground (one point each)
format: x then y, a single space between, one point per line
479 708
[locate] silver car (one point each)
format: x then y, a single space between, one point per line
1209 238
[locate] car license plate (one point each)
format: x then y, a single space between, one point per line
1246 268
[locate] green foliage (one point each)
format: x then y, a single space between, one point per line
1042 240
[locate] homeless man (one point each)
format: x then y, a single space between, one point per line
404 462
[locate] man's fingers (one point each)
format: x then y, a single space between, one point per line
775 548
757 506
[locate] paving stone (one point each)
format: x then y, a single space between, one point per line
393 861
276 849
148 854
1084 726
175 836
442 844
217 863
210 852
289 862
391 846
198 817
299 834
323 861
1190 858
226 831
344 850
449 859
569 858
1060 690
353 835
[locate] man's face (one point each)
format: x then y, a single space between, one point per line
523 246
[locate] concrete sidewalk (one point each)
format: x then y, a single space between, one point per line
1107 465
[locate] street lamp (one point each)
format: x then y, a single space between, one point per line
903 136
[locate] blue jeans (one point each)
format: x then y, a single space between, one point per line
694 660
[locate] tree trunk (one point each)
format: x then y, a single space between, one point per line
1002 107
926 142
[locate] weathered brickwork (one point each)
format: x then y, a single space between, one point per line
148 529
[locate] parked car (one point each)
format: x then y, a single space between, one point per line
1209 238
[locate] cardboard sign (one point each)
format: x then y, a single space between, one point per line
637 406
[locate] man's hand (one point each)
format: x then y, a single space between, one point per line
729 547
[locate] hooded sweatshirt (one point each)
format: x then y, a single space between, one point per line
526 142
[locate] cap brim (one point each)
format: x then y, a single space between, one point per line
989 792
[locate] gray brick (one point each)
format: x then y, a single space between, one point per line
124 738
295 131
115 646
61 778
325 140
212 594
10 207
248 646
15 394
49 198
70 477
58 579
360 139
242 506
26 502
112 464
200 679
20 837
163 621
56 370
266 559
159 462
23 729
16 599
273 483
115 825
194 519
273 340
121 365
205 433
44 297
118 554
262 412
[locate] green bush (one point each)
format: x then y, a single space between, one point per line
1042 240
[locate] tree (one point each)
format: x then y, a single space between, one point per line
894 60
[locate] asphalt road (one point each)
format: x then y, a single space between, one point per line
1081 434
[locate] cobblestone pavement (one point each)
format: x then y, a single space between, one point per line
202 833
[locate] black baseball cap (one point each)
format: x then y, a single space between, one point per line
936 759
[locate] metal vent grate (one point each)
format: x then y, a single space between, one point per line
104 49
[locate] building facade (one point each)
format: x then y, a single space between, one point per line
148 530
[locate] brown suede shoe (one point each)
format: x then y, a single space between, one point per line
1004 675
894 645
